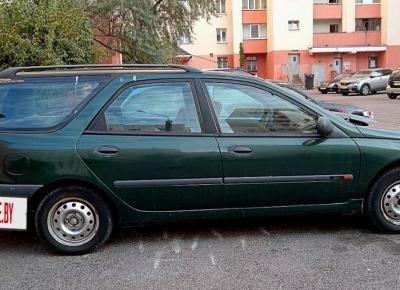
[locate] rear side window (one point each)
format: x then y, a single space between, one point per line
42 103
154 108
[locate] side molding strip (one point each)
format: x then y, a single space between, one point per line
167 182
288 179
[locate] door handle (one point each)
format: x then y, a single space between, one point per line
105 150
242 150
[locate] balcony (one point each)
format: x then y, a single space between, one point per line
254 16
327 11
252 46
343 39
368 10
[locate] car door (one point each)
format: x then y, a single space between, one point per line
272 154
375 80
148 145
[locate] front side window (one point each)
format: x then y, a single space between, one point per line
39 103
154 108
243 109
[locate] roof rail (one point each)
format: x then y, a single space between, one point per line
12 72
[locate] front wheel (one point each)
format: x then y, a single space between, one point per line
392 96
383 203
365 90
74 220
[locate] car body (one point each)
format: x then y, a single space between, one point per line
343 109
393 88
86 149
366 81
333 85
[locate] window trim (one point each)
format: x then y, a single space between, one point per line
219 7
302 107
70 117
93 127
219 33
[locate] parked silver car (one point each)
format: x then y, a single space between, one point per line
365 82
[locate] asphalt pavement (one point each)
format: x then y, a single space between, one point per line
291 253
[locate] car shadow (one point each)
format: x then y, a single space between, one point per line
27 242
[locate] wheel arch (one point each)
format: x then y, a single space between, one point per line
38 196
386 168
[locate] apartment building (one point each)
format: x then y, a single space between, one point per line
285 38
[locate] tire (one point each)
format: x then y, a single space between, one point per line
365 90
391 96
383 202
74 220
324 92
345 94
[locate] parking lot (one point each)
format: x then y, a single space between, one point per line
306 252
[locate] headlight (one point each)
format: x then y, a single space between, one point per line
332 85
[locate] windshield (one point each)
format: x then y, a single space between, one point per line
395 75
341 76
43 102
362 74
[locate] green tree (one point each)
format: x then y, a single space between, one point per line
146 31
46 32
242 58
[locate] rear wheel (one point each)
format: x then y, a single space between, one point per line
392 96
383 204
365 90
74 220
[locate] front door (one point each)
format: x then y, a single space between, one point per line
337 65
294 63
148 147
272 154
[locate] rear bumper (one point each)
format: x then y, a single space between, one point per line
393 91
19 190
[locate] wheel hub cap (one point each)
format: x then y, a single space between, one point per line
391 204
72 222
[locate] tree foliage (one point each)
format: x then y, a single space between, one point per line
146 31
242 58
45 32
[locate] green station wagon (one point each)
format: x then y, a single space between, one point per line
85 149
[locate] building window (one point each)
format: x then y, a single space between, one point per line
251 64
185 38
368 24
334 28
368 1
372 62
293 24
222 62
254 31
220 6
254 4
221 35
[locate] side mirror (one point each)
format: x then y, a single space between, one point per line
325 127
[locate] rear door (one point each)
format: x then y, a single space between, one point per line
272 154
149 146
